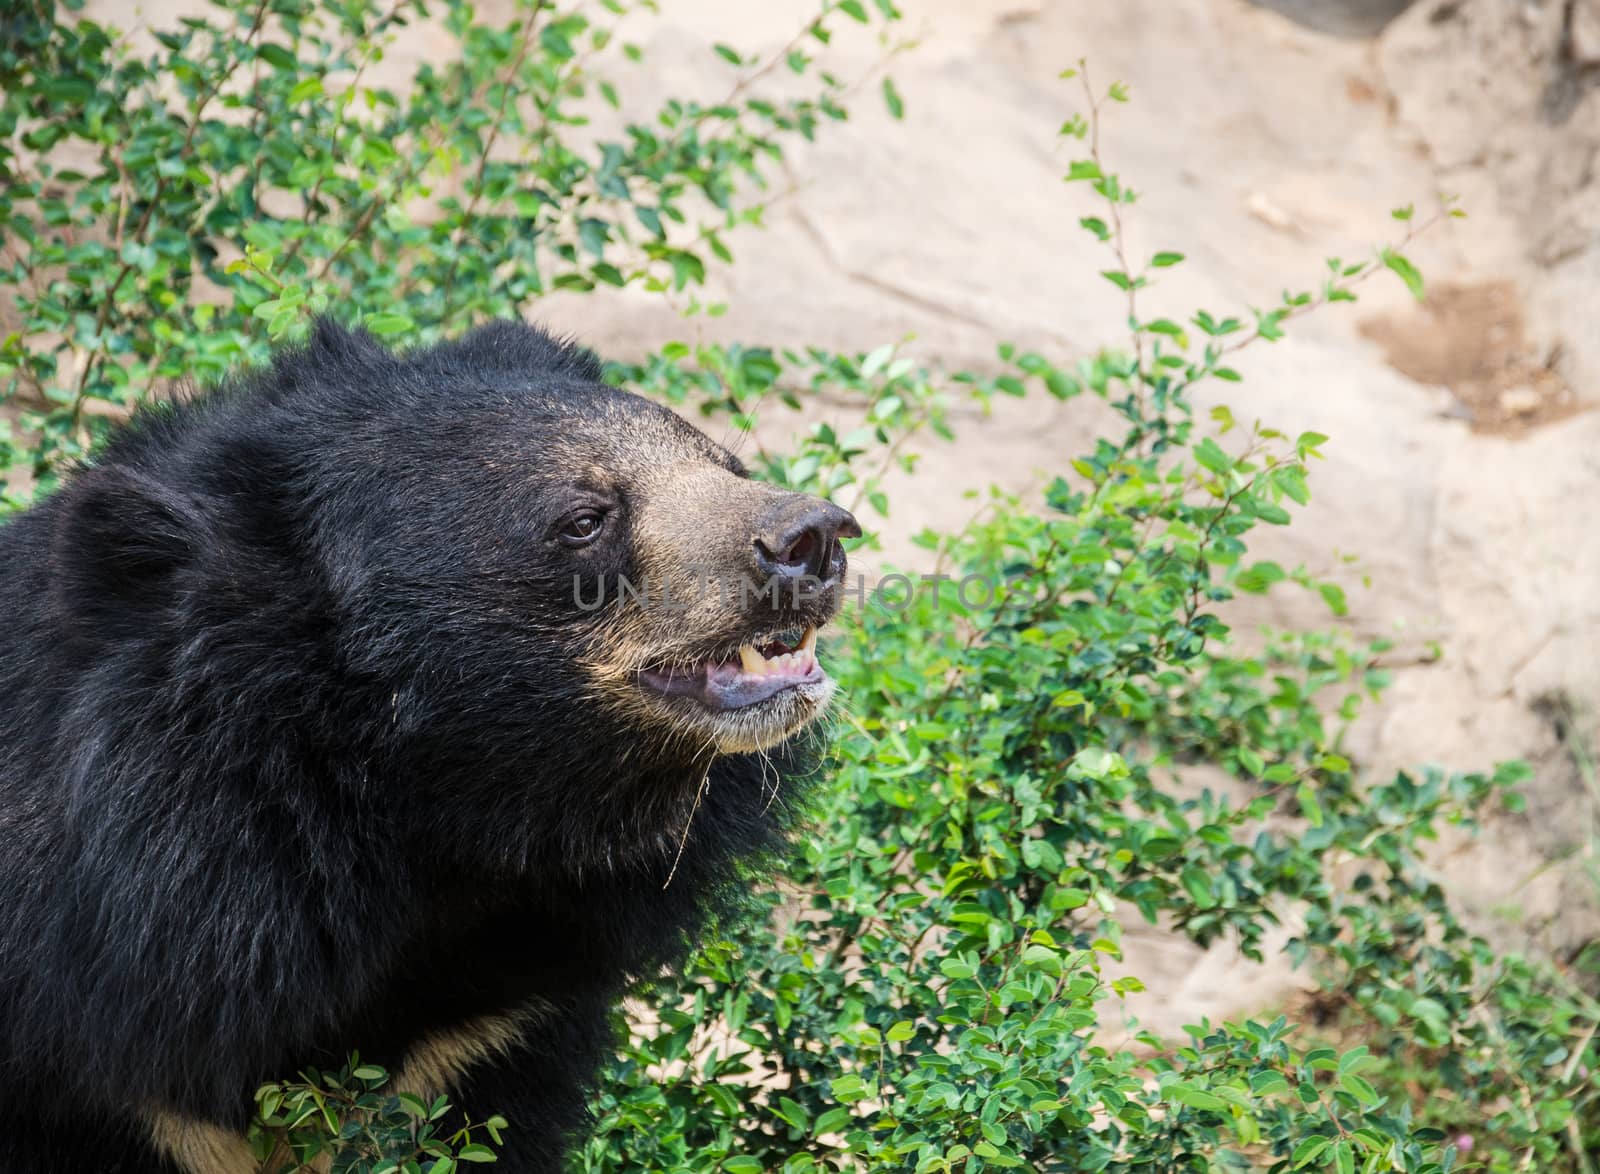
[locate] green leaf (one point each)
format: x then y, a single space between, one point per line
1359 1088
1310 440
877 360
556 42
1165 260
276 56
1198 885
385 324
687 269
593 235
850 1088
1291 479
1267 1083
1310 805
957 968
69 91
1212 456
893 100
1196 1098
1357 1057
1042 958
1308 1151
1405 270
475 1153
793 1112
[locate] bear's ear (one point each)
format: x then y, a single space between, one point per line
118 546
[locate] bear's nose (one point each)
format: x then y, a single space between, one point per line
803 539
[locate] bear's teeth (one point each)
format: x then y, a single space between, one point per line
802 658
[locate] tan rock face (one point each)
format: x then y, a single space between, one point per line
1584 34
1504 96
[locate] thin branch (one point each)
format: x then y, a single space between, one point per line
1118 236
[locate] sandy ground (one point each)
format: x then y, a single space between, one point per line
1464 473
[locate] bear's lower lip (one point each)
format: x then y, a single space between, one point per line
748 679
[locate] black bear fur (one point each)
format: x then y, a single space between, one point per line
298 754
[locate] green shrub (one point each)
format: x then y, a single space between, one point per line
937 985
350 1119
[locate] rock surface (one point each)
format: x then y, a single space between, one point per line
1503 96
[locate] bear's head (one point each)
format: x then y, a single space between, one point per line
520 598
582 553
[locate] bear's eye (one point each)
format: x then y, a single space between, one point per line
581 528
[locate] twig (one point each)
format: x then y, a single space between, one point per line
1577 1052
294 246
356 230
1413 231
1118 236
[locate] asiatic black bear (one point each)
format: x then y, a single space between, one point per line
364 703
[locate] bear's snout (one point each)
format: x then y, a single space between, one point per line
800 538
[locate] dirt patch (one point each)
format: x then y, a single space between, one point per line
1472 340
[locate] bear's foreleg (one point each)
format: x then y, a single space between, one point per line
540 1085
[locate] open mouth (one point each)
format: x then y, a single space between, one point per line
754 673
